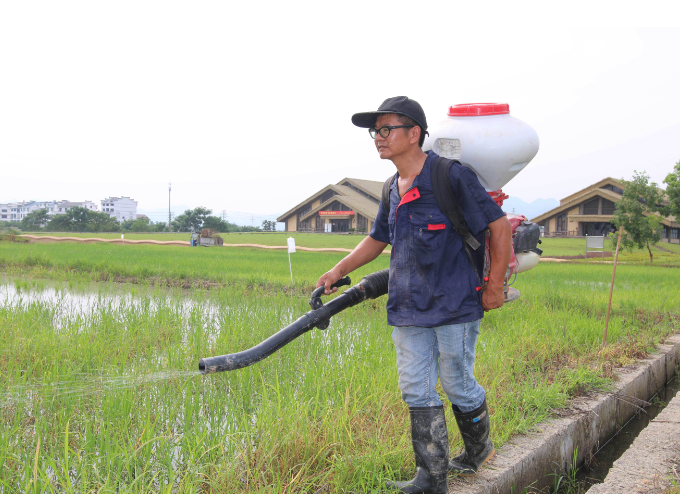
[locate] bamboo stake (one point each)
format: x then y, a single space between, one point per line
611 289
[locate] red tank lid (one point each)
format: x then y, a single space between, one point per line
478 109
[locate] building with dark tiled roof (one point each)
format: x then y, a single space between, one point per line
591 210
349 204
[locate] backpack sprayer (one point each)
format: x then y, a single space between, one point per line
496 146
481 136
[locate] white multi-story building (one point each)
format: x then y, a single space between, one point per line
121 208
16 211
36 206
8 211
62 206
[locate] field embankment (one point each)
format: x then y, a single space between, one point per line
566 249
122 241
91 240
313 240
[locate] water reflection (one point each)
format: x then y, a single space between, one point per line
67 305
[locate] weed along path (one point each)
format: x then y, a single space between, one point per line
99 389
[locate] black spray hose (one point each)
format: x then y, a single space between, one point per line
370 287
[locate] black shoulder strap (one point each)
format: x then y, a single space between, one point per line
386 192
448 202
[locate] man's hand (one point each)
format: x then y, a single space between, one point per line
500 250
327 279
492 297
367 250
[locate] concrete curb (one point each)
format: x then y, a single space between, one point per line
654 456
529 461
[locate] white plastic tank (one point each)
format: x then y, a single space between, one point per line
526 261
486 138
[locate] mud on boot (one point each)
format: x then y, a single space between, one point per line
474 429
431 448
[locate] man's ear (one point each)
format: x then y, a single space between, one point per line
415 134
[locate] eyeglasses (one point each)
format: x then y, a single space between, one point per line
385 131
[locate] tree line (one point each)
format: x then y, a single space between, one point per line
193 220
79 219
642 207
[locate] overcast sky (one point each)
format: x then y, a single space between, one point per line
246 107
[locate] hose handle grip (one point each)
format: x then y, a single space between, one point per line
342 282
316 294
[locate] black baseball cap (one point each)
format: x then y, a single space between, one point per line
401 105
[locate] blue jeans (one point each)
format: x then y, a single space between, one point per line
447 353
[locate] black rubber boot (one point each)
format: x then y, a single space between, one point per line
474 428
431 447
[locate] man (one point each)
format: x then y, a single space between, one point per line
434 301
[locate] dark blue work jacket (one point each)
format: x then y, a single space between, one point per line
432 281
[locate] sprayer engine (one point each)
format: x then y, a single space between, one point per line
525 253
525 239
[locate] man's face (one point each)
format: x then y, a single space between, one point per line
395 144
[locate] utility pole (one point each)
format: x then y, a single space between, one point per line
224 214
169 214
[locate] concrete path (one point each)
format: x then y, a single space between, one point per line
652 460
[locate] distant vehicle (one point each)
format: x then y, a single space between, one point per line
206 238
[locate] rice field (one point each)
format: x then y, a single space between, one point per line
99 389
171 265
552 247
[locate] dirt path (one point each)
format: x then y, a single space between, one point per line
117 241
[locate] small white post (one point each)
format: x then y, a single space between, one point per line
291 248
